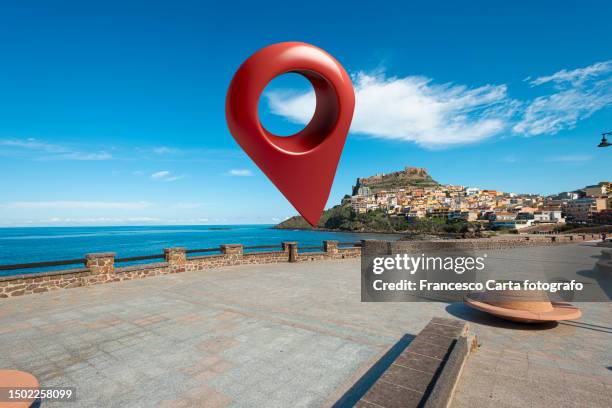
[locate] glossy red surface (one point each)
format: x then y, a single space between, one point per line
302 166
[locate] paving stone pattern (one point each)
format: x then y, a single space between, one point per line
284 335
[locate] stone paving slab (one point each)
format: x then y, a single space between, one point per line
283 335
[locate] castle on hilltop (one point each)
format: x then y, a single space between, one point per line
410 176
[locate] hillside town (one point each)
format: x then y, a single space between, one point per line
412 193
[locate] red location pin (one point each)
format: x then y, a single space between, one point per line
302 166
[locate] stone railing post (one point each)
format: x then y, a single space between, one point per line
330 247
101 263
291 249
233 252
176 257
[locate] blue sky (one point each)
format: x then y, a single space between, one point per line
113 112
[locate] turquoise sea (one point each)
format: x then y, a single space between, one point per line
33 244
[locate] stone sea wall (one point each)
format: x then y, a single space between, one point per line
502 242
101 268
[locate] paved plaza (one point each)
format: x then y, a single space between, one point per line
288 335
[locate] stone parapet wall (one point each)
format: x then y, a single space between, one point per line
101 268
41 282
340 253
310 256
393 247
265 257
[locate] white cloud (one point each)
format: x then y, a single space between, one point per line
576 76
49 151
240 172
413 109
32 144
76 221
187 206
577 95
510 158
166 176
164 150
81 205
193 154
84 156
572 158
96 220
160 174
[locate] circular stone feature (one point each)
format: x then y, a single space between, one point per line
17 380
522 306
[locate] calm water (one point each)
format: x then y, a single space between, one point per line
23 245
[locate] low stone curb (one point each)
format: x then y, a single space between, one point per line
442 392
425 373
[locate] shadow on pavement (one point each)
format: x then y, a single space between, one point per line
366 381
464 312
603 279
587 326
